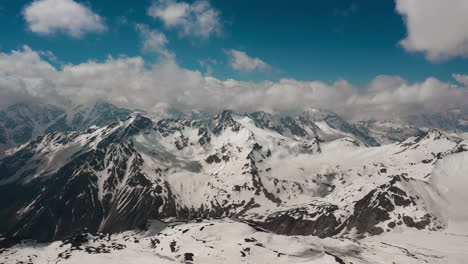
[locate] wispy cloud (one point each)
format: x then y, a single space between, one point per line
208 65
239 60
197 19
153 41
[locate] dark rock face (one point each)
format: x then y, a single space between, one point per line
296 221
225 121
368 212
188 256
63 206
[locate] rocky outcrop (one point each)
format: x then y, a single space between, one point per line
382 209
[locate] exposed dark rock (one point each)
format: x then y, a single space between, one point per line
410 222
213 158
295 221
337 259
188 256
374 208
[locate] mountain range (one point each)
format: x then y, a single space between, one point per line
96 172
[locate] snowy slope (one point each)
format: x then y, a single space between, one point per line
227 241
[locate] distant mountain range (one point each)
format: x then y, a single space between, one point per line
22 122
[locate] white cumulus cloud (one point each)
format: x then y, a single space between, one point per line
438 28
197 19
48 17
239 60
132 83
392 94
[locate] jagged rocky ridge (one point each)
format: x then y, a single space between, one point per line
287 175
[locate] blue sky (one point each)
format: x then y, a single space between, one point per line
359 58
304 40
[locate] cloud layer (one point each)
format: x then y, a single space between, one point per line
48 17
129 82
198 19
240 61
437 28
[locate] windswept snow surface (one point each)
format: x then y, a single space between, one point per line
227 241
450 176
